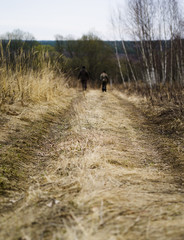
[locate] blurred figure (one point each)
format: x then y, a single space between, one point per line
84 77
104 80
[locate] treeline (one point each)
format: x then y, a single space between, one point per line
25 63
130 45
62 56
91 52
68 56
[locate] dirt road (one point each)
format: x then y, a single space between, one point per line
105 178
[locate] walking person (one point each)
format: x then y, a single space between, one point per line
104 80
84 77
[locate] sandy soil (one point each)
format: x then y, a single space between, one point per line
104 177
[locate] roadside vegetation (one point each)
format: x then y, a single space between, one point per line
32 96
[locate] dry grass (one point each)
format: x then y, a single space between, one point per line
122 187
43 86
167 121
28 76
32 98
105 179
26 121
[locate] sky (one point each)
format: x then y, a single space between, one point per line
47 18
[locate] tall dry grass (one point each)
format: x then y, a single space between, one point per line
28 77
159 94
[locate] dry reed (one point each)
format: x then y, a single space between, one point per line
28 76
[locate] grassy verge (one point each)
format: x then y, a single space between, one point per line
25 132
18 153
165 120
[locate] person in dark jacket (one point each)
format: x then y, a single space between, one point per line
104 80
84 77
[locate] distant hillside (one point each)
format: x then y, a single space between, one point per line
49 42
15 44
130 45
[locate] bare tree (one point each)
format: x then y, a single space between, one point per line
157 26
117 22
18 34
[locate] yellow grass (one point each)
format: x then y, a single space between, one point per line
27 76
43 86
105 179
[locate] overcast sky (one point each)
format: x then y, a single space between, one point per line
46 18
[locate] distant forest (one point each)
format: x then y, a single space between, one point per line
147 61
130 45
